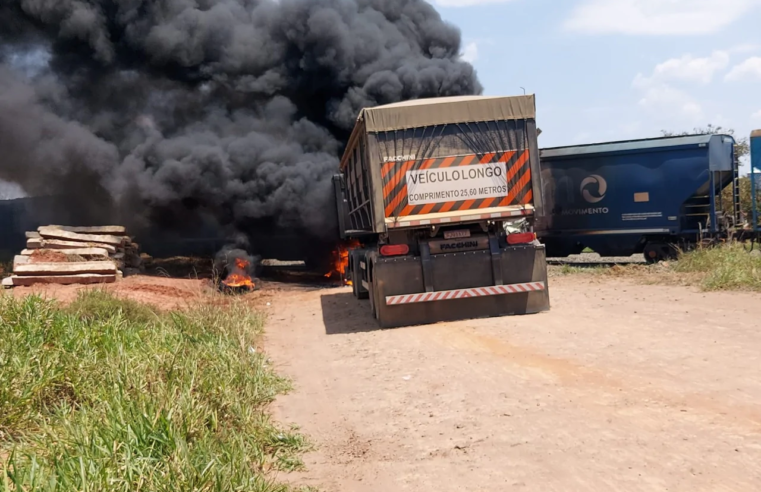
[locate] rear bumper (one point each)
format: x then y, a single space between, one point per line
461 286
494 290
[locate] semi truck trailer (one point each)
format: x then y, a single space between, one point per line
424 192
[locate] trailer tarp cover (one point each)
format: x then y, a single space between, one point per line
445 110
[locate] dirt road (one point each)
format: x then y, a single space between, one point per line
619 387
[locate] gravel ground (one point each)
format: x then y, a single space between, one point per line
619 386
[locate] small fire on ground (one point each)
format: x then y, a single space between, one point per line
238 278
341 261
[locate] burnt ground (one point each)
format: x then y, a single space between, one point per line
181 282
620 386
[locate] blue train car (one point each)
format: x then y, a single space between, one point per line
755 180
639 196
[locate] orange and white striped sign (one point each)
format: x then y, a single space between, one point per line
465 293
516 177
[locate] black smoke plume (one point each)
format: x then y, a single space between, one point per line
234 110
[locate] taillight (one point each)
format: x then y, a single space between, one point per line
394 249
520 238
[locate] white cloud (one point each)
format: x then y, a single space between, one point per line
756 115
745 48
689 68
470 52
467 3
750 69
657 17
663 98
658 94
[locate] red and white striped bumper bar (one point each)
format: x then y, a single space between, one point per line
496 290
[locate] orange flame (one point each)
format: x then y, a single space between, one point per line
240 279
341 260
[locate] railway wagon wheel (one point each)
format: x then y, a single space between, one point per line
655 252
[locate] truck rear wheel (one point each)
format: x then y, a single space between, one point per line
353 279
371 296
357 257
373 289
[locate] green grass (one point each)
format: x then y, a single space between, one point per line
111 395
726 267
729 266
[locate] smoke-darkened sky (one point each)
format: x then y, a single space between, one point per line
237 109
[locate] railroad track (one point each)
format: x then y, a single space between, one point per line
594 260
298 271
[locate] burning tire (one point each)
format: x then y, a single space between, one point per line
236 269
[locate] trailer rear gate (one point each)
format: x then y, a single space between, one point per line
458 159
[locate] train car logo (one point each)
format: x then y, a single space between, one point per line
602 187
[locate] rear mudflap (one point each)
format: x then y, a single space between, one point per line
460 286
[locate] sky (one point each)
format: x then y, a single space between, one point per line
605 70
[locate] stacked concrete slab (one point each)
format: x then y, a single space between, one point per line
75 255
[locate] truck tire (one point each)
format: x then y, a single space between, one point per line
372 291
351 274
354 282
371 296
356 275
